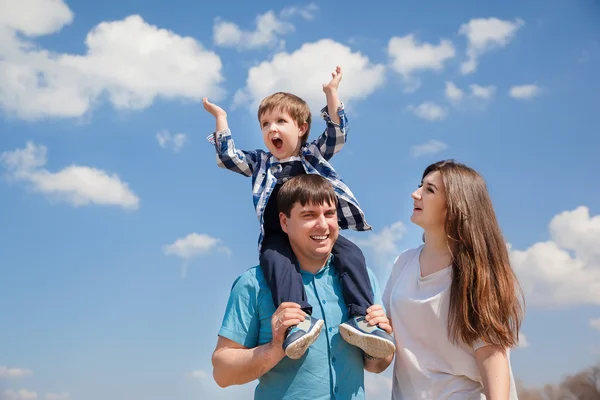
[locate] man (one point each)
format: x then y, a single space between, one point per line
253 331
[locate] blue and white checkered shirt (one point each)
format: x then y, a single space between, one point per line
262 166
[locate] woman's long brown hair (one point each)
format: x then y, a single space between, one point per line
486 300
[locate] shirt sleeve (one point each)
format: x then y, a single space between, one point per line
479 343
240 323
388 289
229 157
375 286
333 138
398 266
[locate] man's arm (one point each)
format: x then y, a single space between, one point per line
333 138
234 364
376 316
377 366
492 362
228 157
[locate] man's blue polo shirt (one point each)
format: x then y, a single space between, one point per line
330 369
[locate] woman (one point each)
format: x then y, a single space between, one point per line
454 302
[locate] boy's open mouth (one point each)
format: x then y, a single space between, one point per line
278 143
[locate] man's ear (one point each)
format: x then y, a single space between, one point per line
283 220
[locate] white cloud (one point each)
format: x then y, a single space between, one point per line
306 12
408 56
130 61
58 396
564 270
429 111
76 185
523 343
268 29
167 140
429 148
484 34
22 394
304 71
385 243
453 93
198 374
35 17
6 372
377 386
456 95
595 323
524 92
192 246
482 92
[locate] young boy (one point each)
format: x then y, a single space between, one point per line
285 122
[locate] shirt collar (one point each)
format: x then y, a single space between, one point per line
323 269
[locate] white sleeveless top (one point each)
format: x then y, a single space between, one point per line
427 364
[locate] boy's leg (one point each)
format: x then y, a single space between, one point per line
358 295
352 268
282 272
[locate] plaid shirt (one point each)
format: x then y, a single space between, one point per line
262 166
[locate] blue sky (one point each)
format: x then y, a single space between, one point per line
121 237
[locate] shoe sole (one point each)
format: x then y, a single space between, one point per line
372 345
298 348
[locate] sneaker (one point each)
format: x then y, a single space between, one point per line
373 340
301 336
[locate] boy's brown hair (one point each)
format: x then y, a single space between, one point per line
288 103
305 189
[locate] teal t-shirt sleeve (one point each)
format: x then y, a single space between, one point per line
240 323
376 290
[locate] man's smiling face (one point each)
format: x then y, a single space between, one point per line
312 230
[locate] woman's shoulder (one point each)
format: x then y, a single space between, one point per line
404 259
406 256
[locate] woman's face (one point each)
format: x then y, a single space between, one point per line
429 210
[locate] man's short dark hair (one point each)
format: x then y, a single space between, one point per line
305 189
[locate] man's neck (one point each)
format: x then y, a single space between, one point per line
311 265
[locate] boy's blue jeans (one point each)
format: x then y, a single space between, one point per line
282 273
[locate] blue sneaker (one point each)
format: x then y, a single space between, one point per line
373 340
301 336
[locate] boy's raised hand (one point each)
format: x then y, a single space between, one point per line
214 109
336 77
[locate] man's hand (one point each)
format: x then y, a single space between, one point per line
214 109
336 77
287 314
376 316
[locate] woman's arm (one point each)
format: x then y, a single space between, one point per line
492 362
